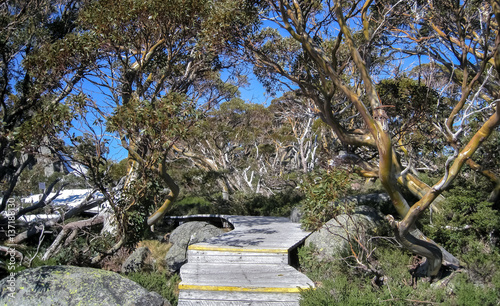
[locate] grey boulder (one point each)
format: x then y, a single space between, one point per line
136 261
68 285
185 235
331 240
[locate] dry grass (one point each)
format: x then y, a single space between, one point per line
114 263
158 252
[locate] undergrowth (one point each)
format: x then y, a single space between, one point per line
162 283
468 227
322 190
337 283
279 204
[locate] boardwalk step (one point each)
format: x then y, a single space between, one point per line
236 257
243 277
247 266
223 298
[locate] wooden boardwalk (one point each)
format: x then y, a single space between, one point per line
246 266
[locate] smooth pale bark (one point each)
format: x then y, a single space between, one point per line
172 195
390 171
402 228
382 138
388 164
37 229
161 170
42 202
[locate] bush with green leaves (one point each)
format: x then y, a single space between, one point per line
29 179
279 204
469 228
322 189
339 284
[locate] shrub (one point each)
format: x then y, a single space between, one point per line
190 205
339 284
322 189
468 293
278 205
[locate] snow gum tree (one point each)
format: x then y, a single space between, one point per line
340 53
158 68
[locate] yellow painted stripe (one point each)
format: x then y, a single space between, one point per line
229 249
242 289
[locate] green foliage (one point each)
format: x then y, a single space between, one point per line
335 284
322 189
340 291
338 284
468 227
81 250
468 293
136 226
488 156
29 179
138 203
414 107
36 262
247 204
40 57
160 121
159 282
197 182
279 204
190 205
118 170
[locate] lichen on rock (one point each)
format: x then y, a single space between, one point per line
68 285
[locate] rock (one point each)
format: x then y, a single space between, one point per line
175 258
330 241
136 261
296 214
185 235
68 285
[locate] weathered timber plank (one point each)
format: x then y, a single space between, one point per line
243 277
239 296
236 257
254 233
234 303
193 297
